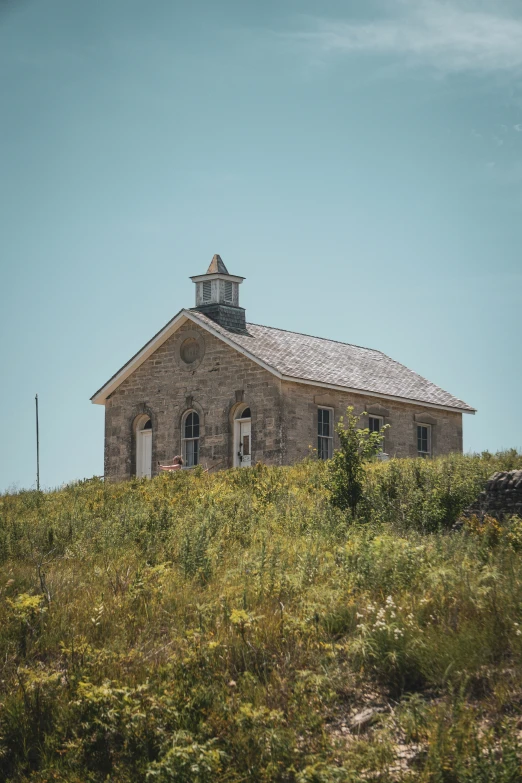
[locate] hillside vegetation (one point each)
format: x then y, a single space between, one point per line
235 627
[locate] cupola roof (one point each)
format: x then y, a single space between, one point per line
217 265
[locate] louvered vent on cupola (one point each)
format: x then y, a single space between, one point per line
207 291
228 292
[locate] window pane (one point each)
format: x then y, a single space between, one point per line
323 422
324 448
192 425
191 453
422 439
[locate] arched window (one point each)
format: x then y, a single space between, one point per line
143 431
190 438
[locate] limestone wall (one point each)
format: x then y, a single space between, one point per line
301 401
164 387
209 376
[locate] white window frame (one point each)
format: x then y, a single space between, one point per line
428 429
381 425
185 440
325 437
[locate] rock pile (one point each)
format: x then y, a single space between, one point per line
501 498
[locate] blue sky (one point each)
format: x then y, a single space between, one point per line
359 163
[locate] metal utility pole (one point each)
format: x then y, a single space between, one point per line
37 447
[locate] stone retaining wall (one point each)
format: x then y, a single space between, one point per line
502 496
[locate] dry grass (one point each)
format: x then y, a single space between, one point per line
231 627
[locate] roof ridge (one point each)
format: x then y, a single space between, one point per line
316 337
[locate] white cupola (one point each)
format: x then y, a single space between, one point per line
217 296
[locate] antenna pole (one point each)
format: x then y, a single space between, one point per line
37 447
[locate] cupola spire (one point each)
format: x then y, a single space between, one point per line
217 296
217 265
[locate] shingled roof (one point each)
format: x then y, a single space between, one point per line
306 359
316 359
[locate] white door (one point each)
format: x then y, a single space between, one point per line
245 450
144 455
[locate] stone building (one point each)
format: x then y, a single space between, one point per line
226 393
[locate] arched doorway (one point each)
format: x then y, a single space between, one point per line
243 438
143 447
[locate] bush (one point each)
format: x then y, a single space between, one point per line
345 471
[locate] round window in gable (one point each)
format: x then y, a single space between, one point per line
190 350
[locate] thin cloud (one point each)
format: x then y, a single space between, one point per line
447 36
518 127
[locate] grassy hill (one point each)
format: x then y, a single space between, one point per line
234 627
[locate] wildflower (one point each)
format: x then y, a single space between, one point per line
519 632
359 615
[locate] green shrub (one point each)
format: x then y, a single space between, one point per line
345 471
